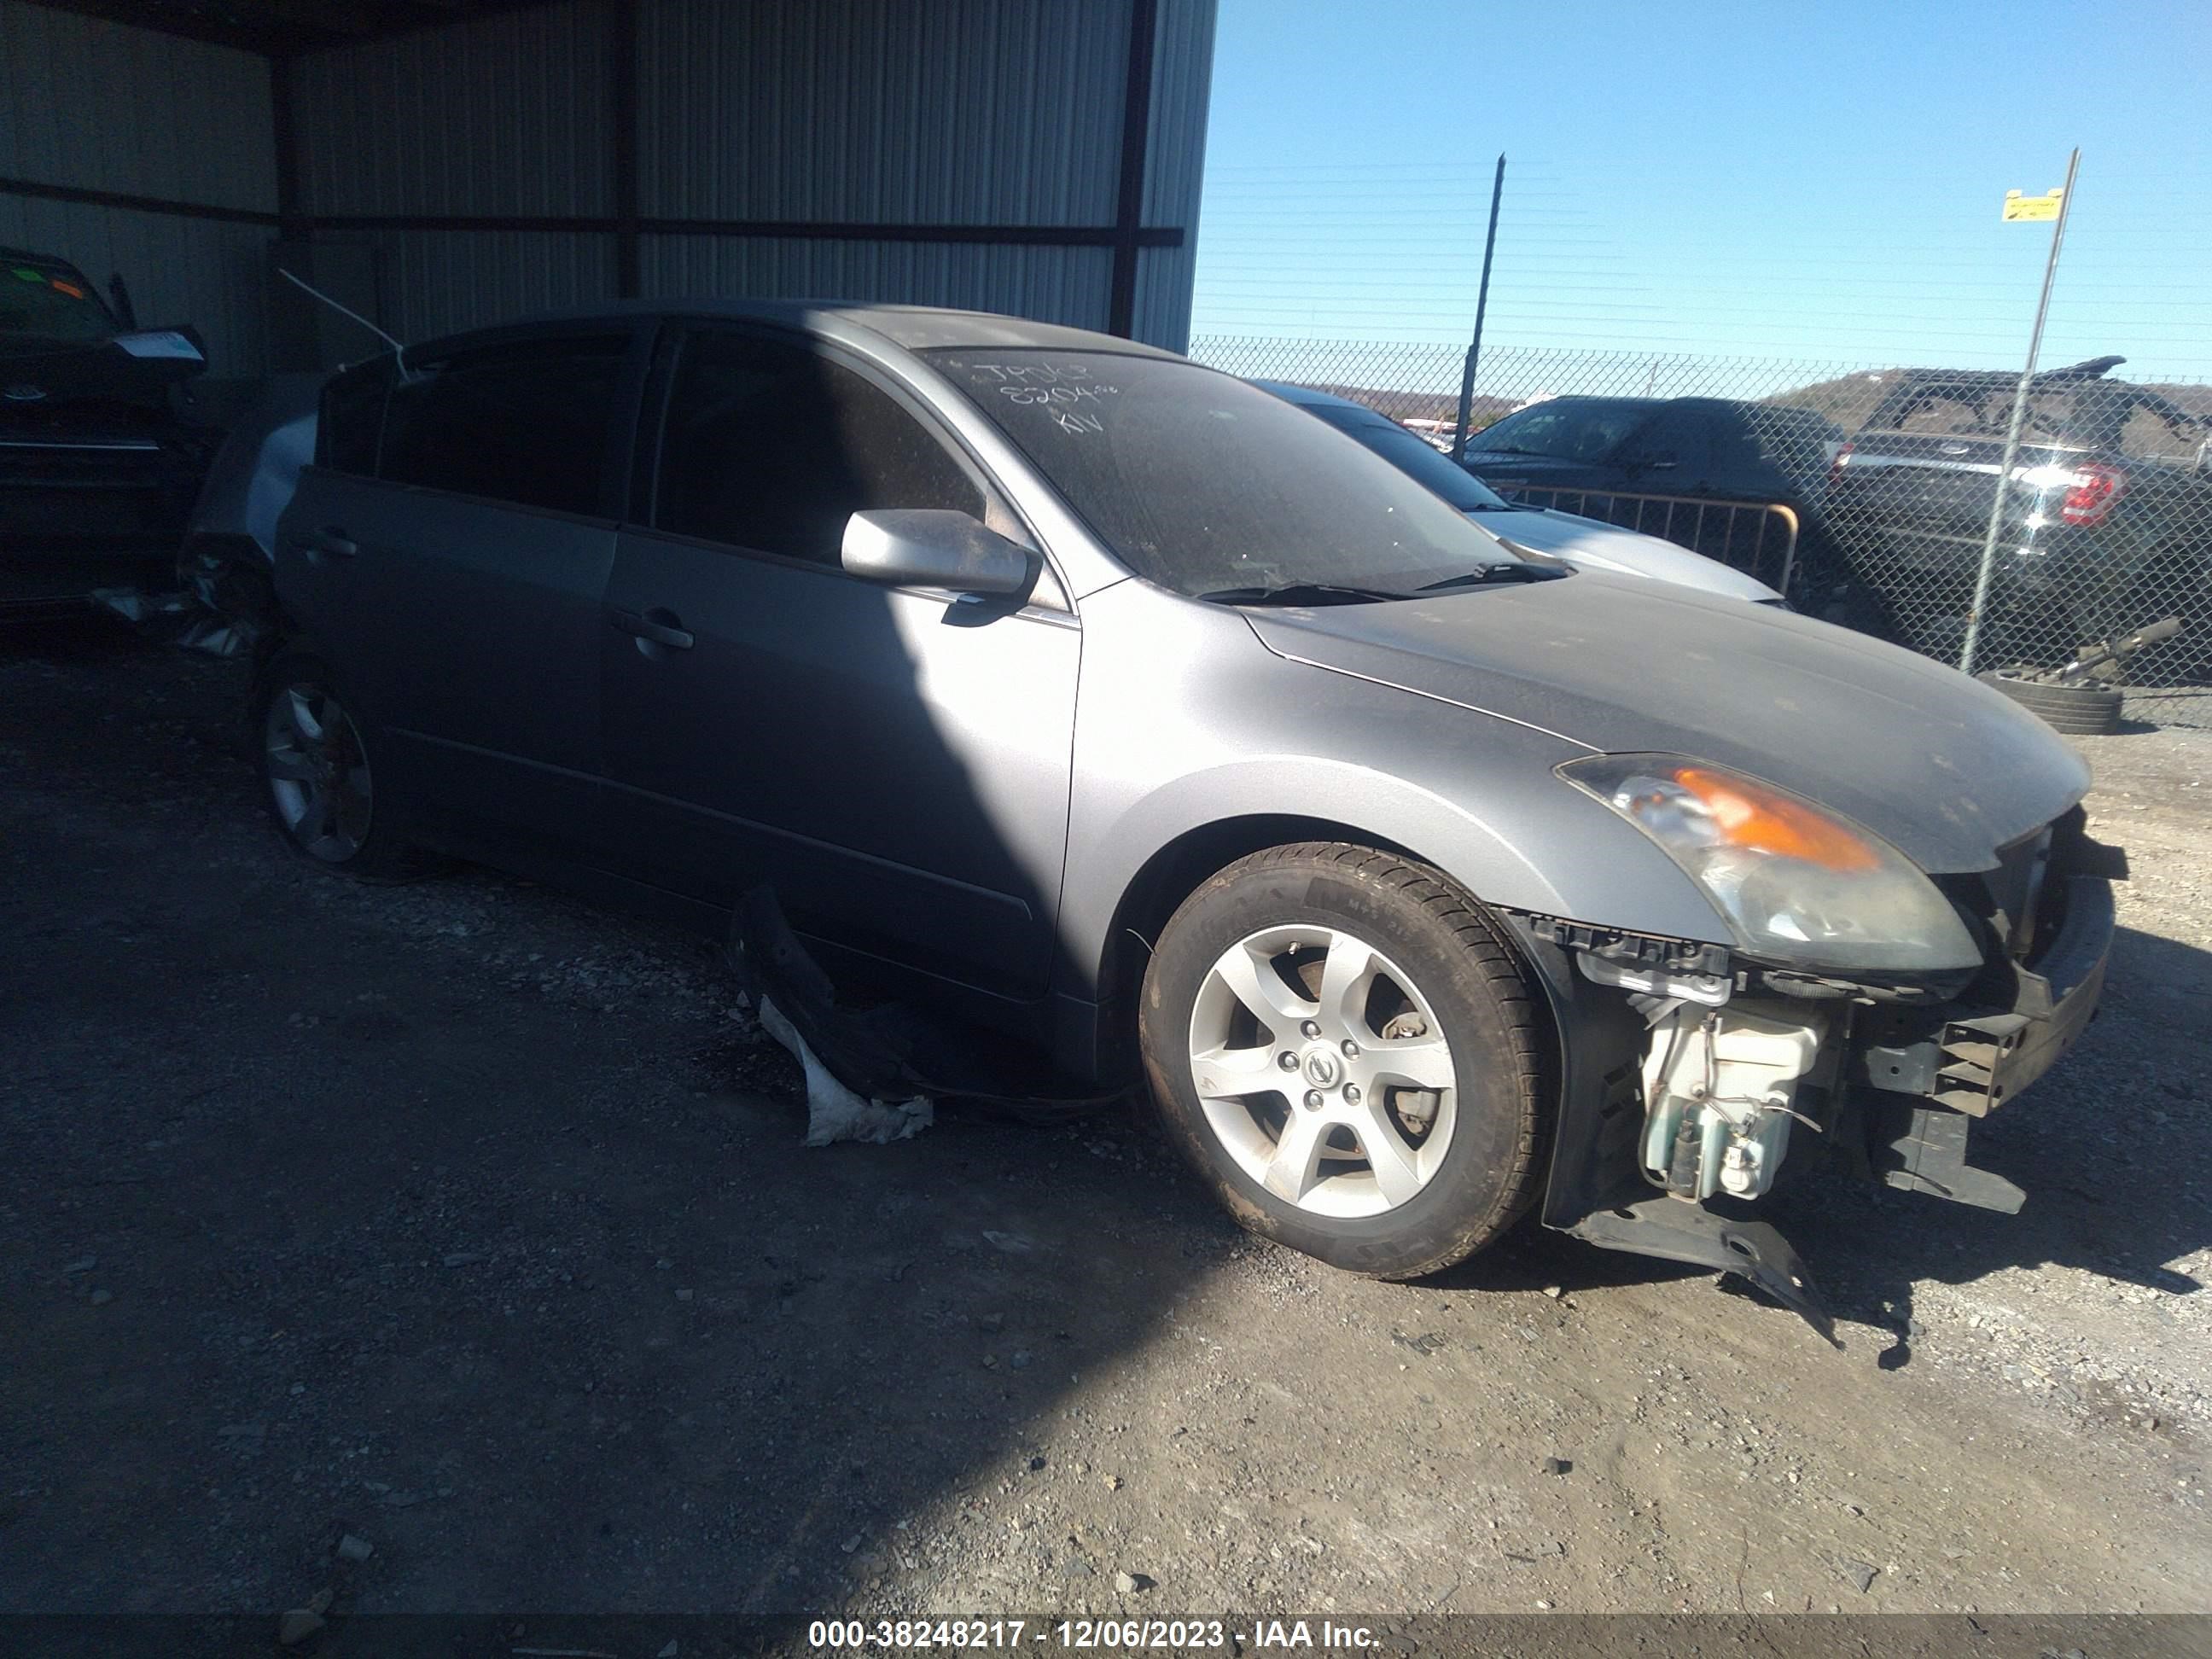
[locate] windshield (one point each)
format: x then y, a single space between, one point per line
1565 431
51 302
1419 460
1202 483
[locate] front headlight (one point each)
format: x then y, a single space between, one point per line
1798 884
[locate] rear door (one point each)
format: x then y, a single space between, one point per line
457 590
895 762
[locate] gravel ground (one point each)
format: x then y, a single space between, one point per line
471 1223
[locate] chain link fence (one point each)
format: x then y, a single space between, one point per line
1866 494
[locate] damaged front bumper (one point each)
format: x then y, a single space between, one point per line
1930 1071
1688 1077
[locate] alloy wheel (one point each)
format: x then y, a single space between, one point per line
318 772
1322 1069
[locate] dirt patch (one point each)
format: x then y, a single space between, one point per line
472 1223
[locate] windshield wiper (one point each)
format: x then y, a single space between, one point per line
1483 575
1300 593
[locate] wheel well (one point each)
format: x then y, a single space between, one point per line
229 573
1172 875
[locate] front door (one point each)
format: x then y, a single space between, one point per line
895 762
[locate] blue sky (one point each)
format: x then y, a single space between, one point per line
1818 182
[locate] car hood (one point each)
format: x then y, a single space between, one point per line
1943 768
1591 542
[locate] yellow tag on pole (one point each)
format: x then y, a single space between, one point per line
2022 209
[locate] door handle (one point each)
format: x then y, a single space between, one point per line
329 539
660 633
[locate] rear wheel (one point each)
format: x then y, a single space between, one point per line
1343 1044
319 777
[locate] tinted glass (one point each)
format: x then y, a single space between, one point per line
1562 430
1418 459
773 448
49 302
528 422
1199 482
352 413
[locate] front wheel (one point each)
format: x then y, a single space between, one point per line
1343 1044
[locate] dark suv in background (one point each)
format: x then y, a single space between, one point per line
98 462
2108 525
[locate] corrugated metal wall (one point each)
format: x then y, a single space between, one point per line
867 112
506 114
100 105
982 112
955 112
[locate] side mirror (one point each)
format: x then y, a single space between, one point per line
118 297
930 547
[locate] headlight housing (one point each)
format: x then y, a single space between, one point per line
1798 884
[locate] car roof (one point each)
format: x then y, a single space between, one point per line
1735 406
26 256
916 328
1306 397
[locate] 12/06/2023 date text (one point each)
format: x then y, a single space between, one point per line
1083 1634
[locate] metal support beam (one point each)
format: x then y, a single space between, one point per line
622 135
1136 138
284 137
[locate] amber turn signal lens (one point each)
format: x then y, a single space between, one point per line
1773 824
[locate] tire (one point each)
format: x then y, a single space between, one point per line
2088 710
1444 1002
316 757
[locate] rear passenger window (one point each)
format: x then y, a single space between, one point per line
773 448
528 422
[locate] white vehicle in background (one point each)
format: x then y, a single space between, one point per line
1566 536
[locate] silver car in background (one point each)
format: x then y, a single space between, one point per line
1115 705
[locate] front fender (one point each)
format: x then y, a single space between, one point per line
1185 720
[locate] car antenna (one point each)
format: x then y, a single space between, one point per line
398 351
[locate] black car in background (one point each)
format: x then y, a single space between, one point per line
1594 456
1717 447
98 462
2108 525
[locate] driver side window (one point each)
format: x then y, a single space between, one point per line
771 447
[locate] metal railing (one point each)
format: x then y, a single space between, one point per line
1688 521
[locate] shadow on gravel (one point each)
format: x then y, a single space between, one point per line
451 1219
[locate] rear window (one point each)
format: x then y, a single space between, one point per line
528 422
1562 430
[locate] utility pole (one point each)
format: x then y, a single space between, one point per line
1985 576
1481 304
